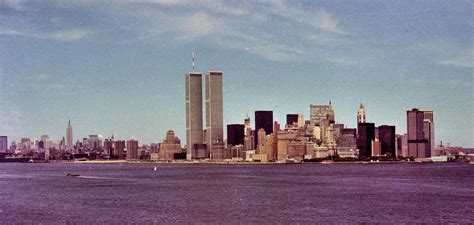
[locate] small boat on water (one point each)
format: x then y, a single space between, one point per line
72 175
154 169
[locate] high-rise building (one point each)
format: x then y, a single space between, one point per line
301 121
387 140
428 116
69 139
418 143
3 144
170 146
235 134
263 119
291 119
194 132
249 140
132 149
365 136
119 147
402 145
214 108
361 114
320 112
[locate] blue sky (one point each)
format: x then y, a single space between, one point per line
119 65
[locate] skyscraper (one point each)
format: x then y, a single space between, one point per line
132 149
69 139
387 140
3 144
365 136
194 133
418 143
214 108
428 116
320 112
263 119
235 134
361 114
291 118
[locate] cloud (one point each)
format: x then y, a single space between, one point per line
62 35
464 61
274 30
447 53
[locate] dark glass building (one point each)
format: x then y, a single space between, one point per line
291 118
418 142
263 119
235 134
387 140
365 136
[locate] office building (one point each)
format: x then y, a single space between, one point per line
387 140
235 134
365 136
170 146
214 108
119 148
194 128
132 150
428 116
69 137
418 142
376 148
320 112
291 119
361 114
263 119
3 144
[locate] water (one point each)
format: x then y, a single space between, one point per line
203 193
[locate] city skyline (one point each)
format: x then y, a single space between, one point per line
56 66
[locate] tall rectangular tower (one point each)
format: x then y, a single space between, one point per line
263 119
3 144
418 143
214 108
194 134
428 116
365 136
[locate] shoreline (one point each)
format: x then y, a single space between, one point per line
241 162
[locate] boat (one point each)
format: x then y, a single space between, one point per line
154 169
72 175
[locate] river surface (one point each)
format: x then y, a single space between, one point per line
262 194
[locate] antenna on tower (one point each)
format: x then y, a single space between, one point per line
193 61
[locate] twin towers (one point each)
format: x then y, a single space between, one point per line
204 143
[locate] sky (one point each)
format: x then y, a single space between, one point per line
119 66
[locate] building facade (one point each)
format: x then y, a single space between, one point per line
418 142
194 128
69 137
387 140
214 108
291 119
3 144
365 136
263 119
320 112
235 134
132 150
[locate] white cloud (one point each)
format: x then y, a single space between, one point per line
64 35
464 60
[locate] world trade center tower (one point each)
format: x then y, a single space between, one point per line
214 109
194 132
